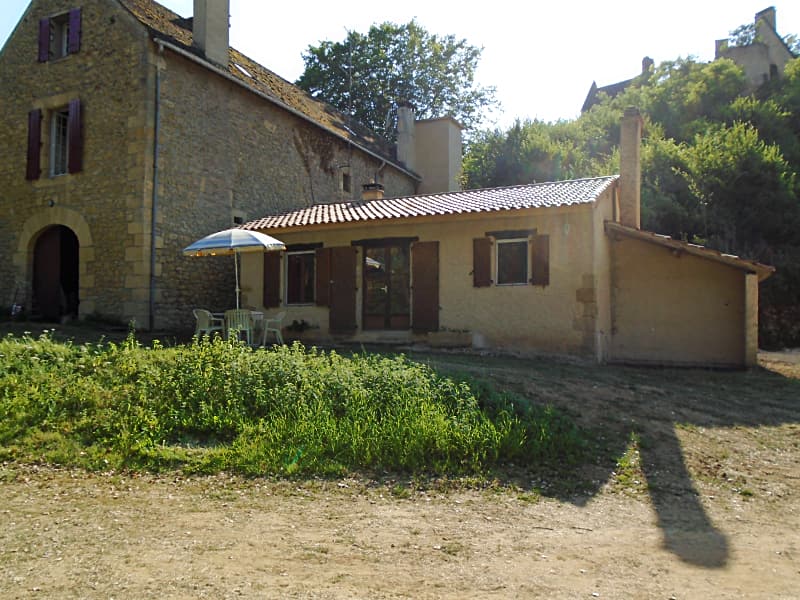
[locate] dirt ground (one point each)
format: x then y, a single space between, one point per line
709 507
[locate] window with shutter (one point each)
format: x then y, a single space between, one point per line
66 139
60 35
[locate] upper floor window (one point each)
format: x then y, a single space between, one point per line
63 140
59 142
60 35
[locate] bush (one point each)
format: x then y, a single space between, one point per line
214 405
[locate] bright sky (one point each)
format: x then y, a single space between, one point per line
541 56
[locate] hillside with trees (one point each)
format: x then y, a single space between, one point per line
720 166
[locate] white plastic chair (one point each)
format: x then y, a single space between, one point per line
238 320
207 323
273 324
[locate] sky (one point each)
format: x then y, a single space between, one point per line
540 56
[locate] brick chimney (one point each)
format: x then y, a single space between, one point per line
630 169
371 191
210 29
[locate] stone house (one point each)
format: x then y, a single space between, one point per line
765 57
551 267
127 132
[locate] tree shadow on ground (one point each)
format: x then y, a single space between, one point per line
615 404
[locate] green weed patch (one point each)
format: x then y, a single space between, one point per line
213 405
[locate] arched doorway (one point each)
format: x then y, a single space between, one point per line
55 274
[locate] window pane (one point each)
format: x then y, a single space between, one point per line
512 262
59 143
300 278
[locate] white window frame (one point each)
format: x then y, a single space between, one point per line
286 277
59 142
500 242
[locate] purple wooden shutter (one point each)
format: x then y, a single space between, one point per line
272 279
540 260
323 277
34 144
44 40
74 43
75 135
481 262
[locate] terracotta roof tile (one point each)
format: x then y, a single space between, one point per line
537 195
751 266
171 27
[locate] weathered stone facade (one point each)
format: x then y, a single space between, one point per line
225 155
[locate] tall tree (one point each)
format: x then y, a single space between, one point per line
367 76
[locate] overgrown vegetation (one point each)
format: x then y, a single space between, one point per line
214 405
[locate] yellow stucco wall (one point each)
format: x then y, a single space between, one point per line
675 309
559 317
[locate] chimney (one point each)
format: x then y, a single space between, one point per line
371 191
630 171
406 136
768 15
210 29
647 65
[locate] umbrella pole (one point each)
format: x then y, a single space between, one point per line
236 273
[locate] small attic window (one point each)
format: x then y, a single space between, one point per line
244 71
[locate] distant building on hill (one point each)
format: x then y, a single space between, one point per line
765 57
762 59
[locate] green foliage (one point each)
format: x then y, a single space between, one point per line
368 75
216 405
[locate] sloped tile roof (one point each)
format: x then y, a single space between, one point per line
763 271
537 195
171 27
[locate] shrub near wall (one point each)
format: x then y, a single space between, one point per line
215 405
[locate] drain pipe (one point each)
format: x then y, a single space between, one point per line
154 207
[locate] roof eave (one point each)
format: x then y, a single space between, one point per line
763 271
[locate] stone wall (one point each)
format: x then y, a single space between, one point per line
108 74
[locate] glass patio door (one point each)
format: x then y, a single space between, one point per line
386 287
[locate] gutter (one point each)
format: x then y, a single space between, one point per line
154 203
178 50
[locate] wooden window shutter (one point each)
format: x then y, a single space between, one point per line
75 133
540 260
34 144
44 40
425 293
74 42
272 279
482 262
323 277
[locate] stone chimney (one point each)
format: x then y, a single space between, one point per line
630 170
647 65
406 136
439 155
210 29
371 191
768 15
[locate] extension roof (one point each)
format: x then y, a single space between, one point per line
536 195
177 31
763 271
